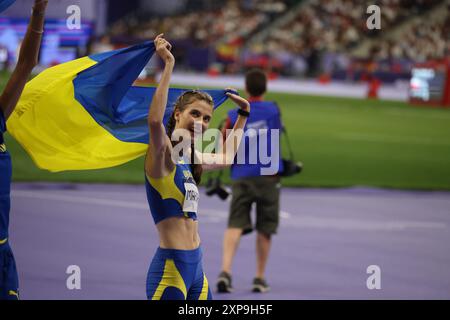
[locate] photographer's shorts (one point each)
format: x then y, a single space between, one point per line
264 191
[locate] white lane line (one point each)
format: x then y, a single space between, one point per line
285 214
217 215
361 225
77 199
110 202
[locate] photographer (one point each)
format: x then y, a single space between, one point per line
249 187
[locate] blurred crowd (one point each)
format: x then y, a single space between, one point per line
423 41
310 37
230 20
338 24
324 30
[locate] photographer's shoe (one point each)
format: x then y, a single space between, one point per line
224 283
260 285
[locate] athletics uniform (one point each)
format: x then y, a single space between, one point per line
9 281
175 274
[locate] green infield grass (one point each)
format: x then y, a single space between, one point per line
341 141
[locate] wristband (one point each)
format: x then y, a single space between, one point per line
243 113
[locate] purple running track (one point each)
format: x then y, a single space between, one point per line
326 240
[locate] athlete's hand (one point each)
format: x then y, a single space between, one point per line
163 48
241 102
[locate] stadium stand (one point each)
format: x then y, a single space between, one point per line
312 38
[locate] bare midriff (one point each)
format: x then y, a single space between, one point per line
178 233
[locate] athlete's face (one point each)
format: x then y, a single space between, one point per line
195 117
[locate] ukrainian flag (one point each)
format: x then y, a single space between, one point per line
86 114
4 4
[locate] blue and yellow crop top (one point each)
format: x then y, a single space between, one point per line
173 195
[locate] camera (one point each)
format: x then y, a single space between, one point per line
214 186
290 168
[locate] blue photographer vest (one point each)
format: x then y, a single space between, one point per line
263 115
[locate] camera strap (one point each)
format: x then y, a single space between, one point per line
285 134
288 143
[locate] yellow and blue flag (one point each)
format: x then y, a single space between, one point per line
86 113
4 4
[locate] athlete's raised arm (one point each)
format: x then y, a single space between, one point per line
28 59
225 155
157 163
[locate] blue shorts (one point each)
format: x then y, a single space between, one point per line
9 281
177 275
